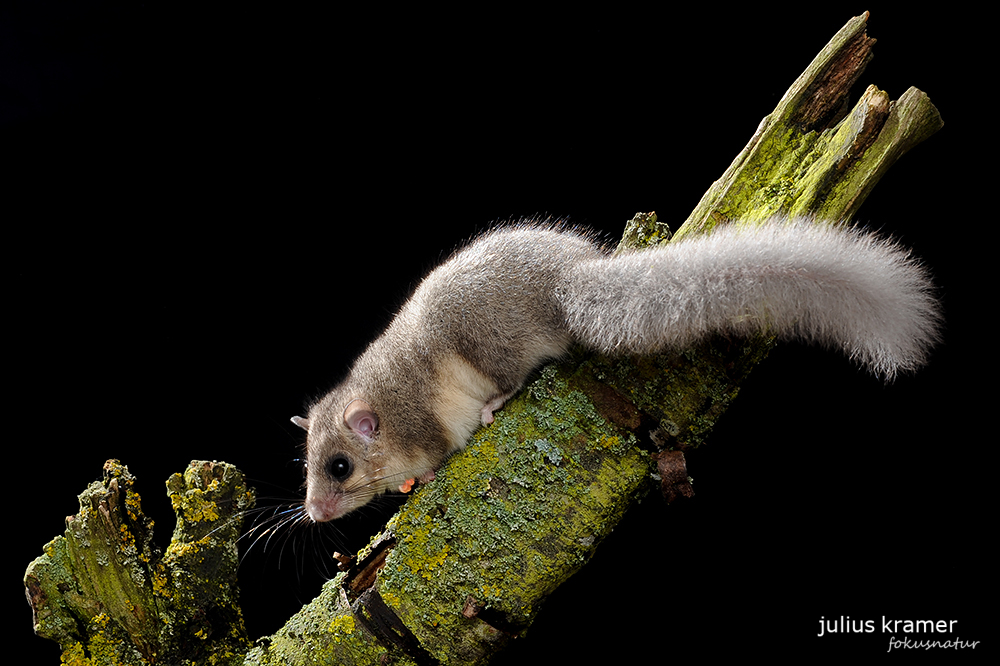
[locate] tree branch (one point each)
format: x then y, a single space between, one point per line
464 567
104 592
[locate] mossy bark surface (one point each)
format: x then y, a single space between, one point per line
464 567
106 594
814 155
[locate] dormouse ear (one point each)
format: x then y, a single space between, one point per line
360 418
301 422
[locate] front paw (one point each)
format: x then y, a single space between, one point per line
407 485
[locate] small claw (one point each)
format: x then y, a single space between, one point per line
406 485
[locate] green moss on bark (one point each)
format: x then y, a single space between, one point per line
107 596
510 519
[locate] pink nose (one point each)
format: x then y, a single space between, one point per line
327 508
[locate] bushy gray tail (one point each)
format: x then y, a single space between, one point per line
831 285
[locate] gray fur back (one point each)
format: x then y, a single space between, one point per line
495 302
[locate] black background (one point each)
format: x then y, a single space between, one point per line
212 211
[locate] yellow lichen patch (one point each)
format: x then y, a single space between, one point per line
74 656
341 627
133 505
612 443
161 582
106 642
194 506
434 561
182 549
465 473
423 538
390 599
126 539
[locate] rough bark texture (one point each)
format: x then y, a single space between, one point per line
813 156
106 594
462 569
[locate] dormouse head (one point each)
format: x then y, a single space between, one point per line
340 447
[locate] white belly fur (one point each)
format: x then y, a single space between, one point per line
459 402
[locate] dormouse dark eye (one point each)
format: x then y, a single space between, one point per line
341 468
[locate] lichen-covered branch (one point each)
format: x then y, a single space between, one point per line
813 155
466 564
106 594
